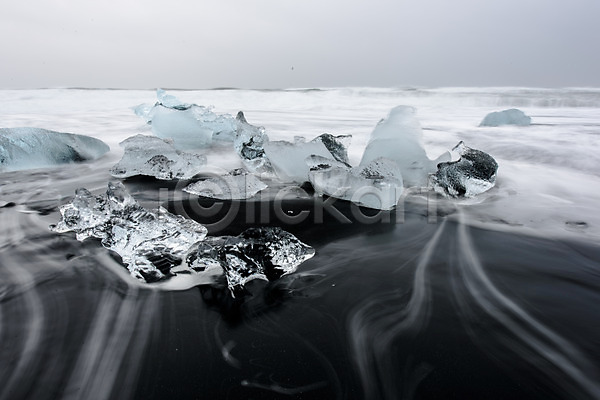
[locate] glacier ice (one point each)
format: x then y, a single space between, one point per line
26 148
143 111
149 243
236 185
170 101
249 144
257 253
289 159
190 128
319 162
511 116
399 137
472 174
337 145
189 125
153 156
377 185
158 245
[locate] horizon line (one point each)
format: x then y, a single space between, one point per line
323 88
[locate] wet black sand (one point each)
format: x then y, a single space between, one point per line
391 306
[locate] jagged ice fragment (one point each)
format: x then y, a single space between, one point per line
170 101
236 185
337 146
472 174
189 125
377 185
149 243
319 163
257 253
249 144
153 156
289 159
159 245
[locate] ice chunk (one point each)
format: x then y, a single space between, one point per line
166 100
144 110
472 174
249 144
320 162
512 116
26 148
149 243
399 137
249 139
257 253
183 126
289 159
189 125
377 185
152 156
337 146
170 101
236 185
158 245
87 215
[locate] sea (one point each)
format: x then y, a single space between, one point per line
492 297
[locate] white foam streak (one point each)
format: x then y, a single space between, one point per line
372 330
56 352
116 325
577 373
34 322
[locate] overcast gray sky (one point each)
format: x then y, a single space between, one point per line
293 43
